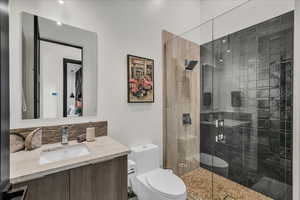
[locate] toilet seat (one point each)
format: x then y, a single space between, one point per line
166 184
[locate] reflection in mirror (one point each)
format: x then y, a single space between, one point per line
59 76
73 102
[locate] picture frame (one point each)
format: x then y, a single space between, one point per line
140 79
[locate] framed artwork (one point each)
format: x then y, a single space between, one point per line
140 79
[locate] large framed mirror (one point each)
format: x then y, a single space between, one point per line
59 69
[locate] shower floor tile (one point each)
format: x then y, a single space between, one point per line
199 185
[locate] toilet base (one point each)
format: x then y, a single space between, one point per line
143 191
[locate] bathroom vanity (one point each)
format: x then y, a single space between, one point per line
101 173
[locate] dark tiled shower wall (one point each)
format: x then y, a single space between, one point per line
236 144
261 60
274 99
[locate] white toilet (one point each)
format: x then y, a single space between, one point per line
150 182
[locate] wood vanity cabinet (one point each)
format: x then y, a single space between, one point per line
110 179
54 186
102 181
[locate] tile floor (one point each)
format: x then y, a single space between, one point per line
199 186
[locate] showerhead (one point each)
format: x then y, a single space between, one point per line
190 65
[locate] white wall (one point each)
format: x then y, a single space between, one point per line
246 14
212 8
123 27
251 13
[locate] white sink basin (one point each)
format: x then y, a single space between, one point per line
63 153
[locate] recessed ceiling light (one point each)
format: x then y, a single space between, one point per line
221 60
58 23
228 50
224 41
61 2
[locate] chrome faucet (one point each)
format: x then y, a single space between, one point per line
64 135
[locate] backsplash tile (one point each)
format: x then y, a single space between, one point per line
51 134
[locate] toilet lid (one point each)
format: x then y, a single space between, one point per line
166 183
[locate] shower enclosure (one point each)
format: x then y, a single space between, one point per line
228 122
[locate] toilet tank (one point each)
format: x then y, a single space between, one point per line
146 158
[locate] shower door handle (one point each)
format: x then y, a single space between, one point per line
220 137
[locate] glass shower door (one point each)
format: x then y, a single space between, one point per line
250 116
226 120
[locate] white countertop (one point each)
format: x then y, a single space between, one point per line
25 166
